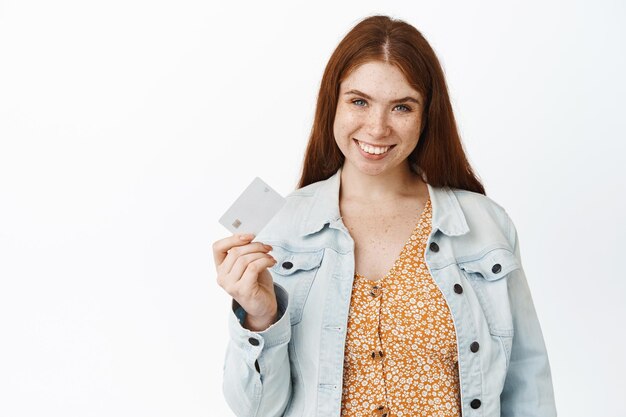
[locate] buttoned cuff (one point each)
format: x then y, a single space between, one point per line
276 334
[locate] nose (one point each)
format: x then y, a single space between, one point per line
378 123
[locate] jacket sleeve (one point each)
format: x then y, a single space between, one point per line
257 380
528 390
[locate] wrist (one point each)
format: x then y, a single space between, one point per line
259 323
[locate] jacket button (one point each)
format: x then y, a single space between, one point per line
287 265
434 247
474 347
475 404
256 366
253 341
458 289
496 268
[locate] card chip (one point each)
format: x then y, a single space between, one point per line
236 223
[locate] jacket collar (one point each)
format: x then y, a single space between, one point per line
447 215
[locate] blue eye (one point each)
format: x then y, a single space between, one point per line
407 108
358 99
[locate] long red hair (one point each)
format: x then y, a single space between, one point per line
439 156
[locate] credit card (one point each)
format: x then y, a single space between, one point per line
253 209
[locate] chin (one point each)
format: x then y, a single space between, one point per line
370 169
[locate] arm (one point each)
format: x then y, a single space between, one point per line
257 379
528 388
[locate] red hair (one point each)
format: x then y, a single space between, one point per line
439 156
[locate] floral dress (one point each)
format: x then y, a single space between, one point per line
401 353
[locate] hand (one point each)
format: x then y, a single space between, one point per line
242 272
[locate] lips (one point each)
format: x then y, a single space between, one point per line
373 150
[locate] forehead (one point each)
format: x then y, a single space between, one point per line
378 79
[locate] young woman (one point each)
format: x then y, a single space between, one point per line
394 286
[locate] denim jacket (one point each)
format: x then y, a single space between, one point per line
295 367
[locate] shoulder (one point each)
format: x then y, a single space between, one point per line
292 218
300 201
484 213
307 191
472 203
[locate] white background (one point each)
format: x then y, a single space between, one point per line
127 127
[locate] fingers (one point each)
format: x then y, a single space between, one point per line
222 246
239 263
253 272
230 280
235 254
242 263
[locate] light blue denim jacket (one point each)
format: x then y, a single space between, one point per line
295 367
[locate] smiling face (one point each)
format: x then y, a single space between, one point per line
378 119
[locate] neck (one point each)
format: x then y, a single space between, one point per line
400 182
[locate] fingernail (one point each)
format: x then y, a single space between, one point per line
268 247
246 236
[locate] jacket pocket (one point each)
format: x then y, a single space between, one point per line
486 275
295 270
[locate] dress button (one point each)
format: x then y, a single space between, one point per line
475 404
434 247
375 291
496 268
458 289
474 347
253 341
287 265
377 356
381 411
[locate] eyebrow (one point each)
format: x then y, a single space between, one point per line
400 100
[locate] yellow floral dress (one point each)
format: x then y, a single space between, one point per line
401 354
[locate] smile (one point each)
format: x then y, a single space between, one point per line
373 150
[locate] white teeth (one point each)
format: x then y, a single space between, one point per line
373 149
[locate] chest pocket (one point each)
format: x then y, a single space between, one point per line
486 276
295 270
